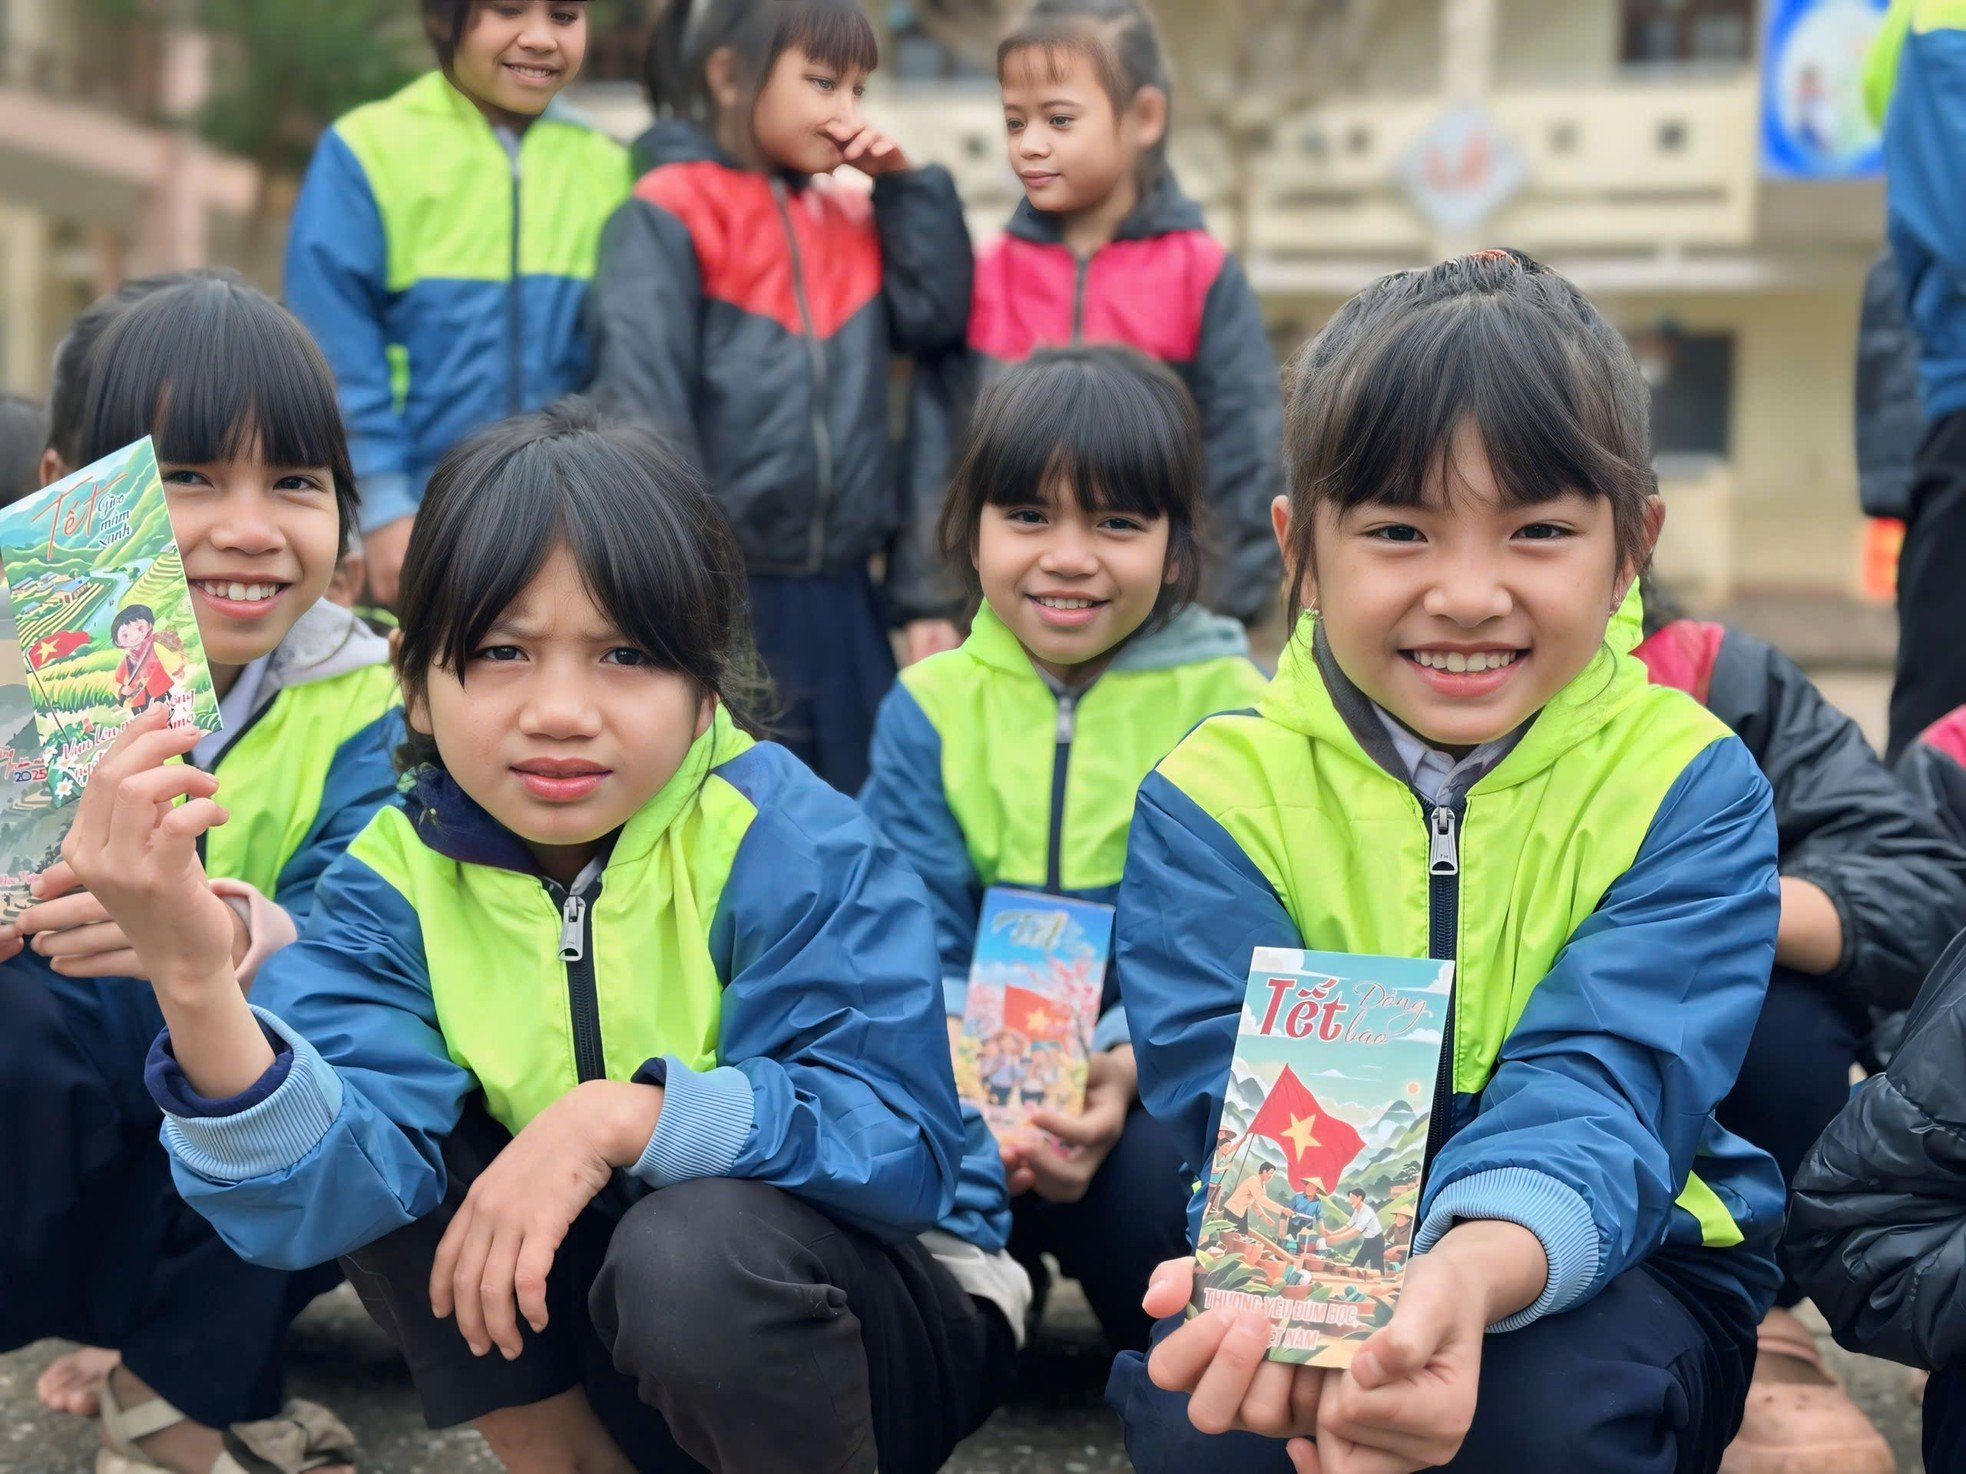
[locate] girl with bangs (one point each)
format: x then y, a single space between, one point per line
241 406
1076 513
611 1046
1459 759
748 305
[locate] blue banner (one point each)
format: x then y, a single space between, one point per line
1813 123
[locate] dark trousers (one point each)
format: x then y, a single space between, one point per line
1133 1215
1945 1421
1796 1077
824 642
1647 1377
716 1324
1931 677
96 1244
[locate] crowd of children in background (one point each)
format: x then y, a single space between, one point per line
564 968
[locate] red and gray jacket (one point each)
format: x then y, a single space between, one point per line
1163 285
1897 881
752 317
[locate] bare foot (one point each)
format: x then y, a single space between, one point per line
73 1381
558 1436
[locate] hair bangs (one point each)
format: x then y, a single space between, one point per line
837 36
1043 52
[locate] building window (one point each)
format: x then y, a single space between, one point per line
1679 31
1692 380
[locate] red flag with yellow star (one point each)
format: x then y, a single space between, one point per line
1317 1146
58 646
1033 1015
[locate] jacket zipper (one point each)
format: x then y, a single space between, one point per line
514 323
1443 941
822 437
1078 298
1061 761
577 952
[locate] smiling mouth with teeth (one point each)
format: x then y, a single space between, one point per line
1457 663
1053 602
244 592
533 73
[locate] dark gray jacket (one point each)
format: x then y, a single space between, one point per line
754 320
1877 1222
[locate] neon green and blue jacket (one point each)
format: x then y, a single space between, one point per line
1607 890
748 945
1916 85
984 772
443 273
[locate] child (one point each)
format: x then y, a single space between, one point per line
256 477
617 1012
1871 893
1457 760
1013 760
748 305
442 245
1106 248
1878 1221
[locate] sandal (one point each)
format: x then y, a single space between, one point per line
303 1436
1810 1427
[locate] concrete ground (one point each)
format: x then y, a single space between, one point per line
1054 1423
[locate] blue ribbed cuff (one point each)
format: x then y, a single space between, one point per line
955 995
269 1136
705 1121
385 497
1111 1030
1554 1211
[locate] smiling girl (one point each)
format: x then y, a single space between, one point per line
442 245
1013 759
1458 759
613 1046
750 305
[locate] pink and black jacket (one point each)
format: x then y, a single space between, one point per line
753 319
1163 285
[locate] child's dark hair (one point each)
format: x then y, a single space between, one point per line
1118 38
1495 339
650 542
130 614
1119 427
23 432
74 355
443 27
212 368
834 33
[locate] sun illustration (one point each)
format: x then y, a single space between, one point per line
1412 1087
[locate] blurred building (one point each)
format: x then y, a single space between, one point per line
1619 140
100 175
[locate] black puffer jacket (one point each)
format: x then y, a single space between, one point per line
1877 1220
1846 825
754 319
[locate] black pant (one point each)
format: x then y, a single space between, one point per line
824 641
1796 1077
95 1243
1932 587
1134 1214
719 1324
1647 1377
1945 1421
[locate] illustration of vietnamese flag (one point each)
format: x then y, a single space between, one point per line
58 646
1032 1014
1317 1147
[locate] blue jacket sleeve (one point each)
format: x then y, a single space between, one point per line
361 779
835 1082
347 1144
1924 140
644 316
905 802
1240 397
1192 908
1588 1128
337 284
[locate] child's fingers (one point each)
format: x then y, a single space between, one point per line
186 822
82 941
144 744
467 1285
1216 1403
443 1266
1267 1407
1177 1363
1303 1456
143 801
57 880
1170 1287
1392 1353
1081 1130
495 1292
76 909
121 963
11 941
529 1279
